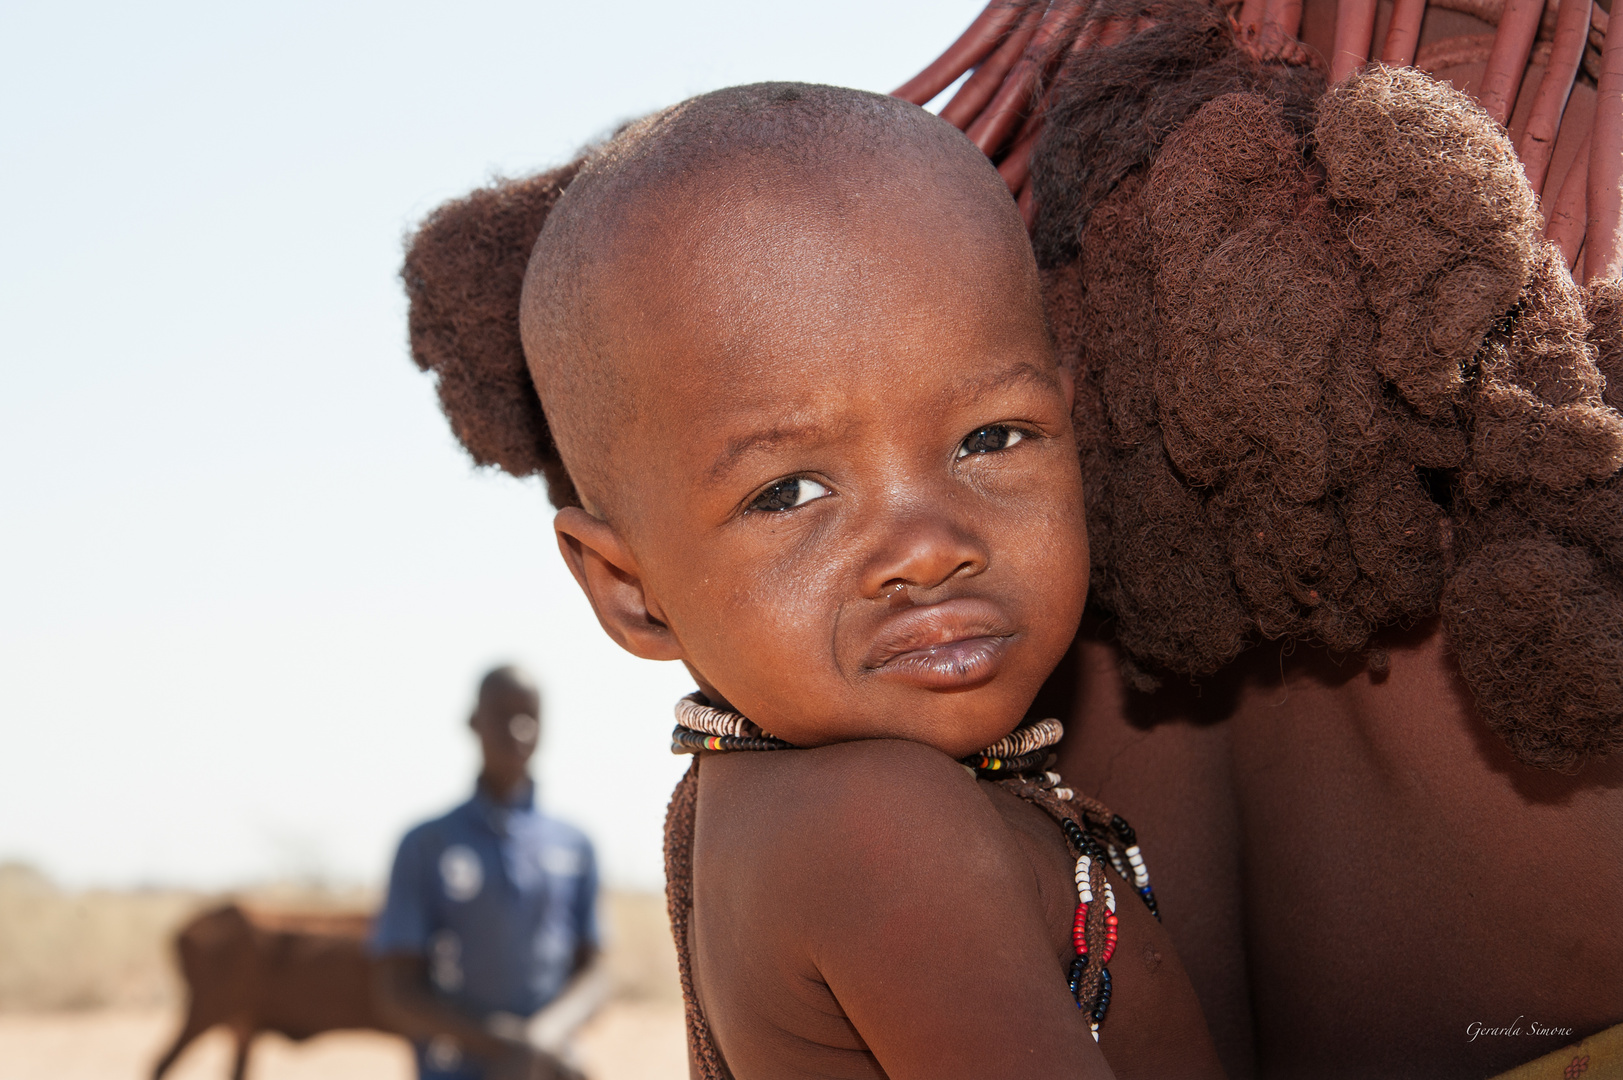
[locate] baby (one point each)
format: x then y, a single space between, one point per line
791 349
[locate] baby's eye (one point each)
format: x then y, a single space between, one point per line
787 494
988 439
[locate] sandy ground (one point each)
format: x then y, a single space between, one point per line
628 1040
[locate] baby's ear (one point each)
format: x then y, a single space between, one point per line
607 573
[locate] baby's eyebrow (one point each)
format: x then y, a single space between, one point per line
741 445
985 383
996 380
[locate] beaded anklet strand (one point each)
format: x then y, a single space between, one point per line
1019 762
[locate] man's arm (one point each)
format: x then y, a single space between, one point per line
588 984
406 1002
585 956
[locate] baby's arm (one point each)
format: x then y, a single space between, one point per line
882 871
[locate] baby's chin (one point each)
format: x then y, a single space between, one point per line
965 744
955 731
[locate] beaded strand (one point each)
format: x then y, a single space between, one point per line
1030 736
1080 819
1135 862
684 741
695 714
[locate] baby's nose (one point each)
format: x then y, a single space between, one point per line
921 549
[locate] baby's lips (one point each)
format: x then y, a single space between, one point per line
932 626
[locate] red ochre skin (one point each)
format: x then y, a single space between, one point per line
1356 865
866 908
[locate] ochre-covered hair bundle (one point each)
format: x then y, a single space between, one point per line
464 274
1330 377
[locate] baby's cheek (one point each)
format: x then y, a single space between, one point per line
761 633
1047 553
1046 535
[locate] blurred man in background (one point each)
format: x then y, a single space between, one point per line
490 912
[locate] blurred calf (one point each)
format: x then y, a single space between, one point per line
297 974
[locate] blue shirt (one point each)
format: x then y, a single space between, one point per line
497 899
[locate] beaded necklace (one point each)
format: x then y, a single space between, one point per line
1019 762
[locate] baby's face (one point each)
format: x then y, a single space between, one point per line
851 494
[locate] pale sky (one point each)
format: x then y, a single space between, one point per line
247 578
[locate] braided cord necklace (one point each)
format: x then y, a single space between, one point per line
1019 762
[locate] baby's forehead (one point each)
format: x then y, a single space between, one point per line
720 248
837 256
761 291
793 214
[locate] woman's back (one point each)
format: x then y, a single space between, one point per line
1397 874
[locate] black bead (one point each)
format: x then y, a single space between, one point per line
1101 1006
1123 830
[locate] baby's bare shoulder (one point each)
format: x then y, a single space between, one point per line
847 798
869 898
832 837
